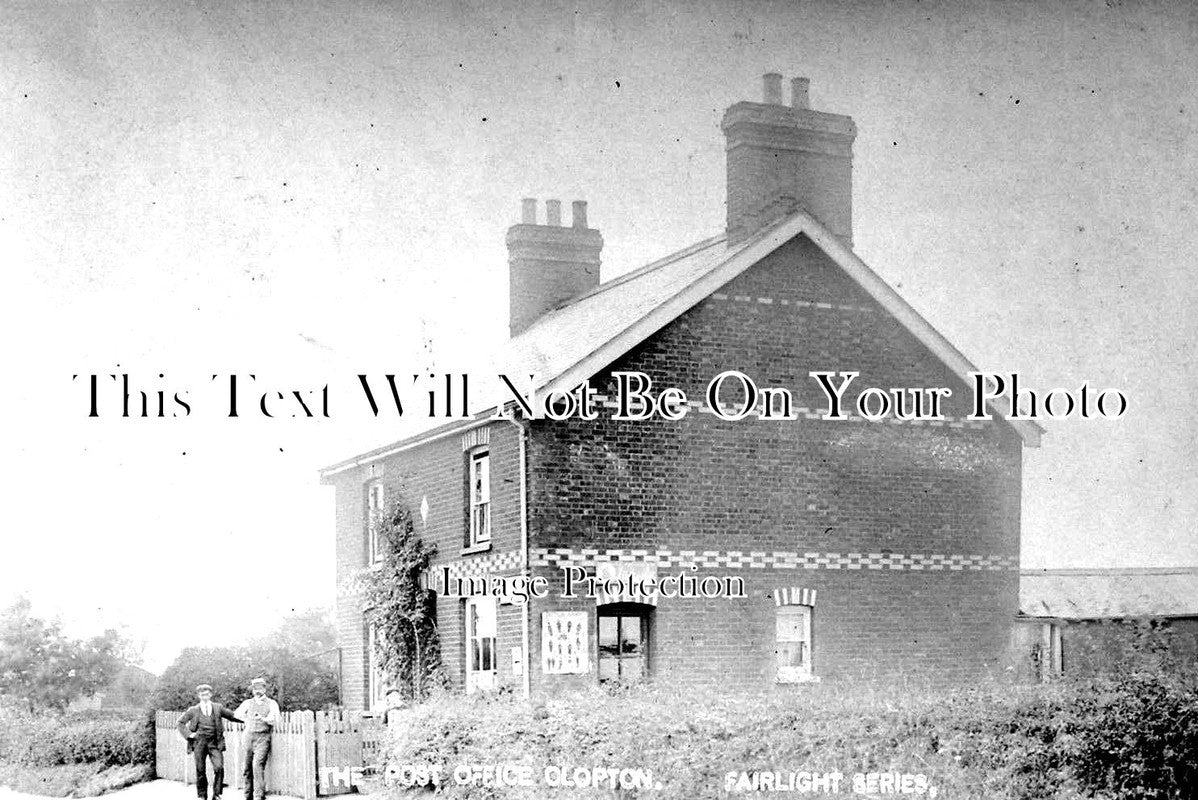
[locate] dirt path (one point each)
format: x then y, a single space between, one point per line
151 790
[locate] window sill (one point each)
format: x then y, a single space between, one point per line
799 679
481 547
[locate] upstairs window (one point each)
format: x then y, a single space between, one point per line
377 685
375 547
480 497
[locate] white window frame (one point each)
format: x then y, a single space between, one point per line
792 628
482 640
479 469
377 686
375 504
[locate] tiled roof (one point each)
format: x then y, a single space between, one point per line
1109 593
567 335
568 345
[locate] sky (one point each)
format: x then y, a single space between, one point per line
307 191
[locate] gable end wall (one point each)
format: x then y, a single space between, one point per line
766 495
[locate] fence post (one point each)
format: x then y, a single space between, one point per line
322 744
170 752
308 743
160 746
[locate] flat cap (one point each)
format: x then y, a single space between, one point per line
203 687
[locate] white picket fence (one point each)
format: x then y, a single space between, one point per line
304 747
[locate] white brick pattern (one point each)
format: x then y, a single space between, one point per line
495 563
802 412
474 566
794 596
737 559
770 301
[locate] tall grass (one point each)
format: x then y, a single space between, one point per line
1135 735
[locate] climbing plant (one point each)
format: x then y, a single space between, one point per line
407 646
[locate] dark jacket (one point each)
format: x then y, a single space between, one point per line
191 720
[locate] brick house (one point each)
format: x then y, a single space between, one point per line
859 549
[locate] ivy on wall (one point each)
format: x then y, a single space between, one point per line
402 611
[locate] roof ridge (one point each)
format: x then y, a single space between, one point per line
1111 571
664 261
609 338
689 250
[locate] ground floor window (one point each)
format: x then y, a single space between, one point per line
793 643
480 644
377 685
624 643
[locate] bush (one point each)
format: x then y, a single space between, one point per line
1136 736
690 741
50 740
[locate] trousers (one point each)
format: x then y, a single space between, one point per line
257 750
204 750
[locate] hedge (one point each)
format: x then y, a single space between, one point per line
1132 736
47 740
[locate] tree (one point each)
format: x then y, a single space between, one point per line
296 680
306 633
403 612
131 688
42 668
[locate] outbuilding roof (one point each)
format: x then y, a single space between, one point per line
1109 593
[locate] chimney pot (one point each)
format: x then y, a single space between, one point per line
798 93
794 152
772 88
528 211
549 264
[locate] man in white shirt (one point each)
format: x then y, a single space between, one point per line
261 715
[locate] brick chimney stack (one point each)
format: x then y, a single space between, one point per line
785 157
549 264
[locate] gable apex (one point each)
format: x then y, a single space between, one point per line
619 335
572 343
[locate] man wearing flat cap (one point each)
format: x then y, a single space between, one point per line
261 715
203 727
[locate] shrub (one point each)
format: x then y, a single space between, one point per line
691 740
1136 736
50 740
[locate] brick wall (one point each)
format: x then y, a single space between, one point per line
435 472
932 509
901 491
350 510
